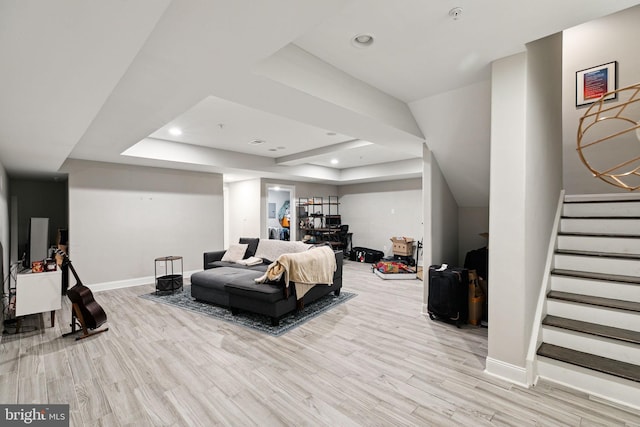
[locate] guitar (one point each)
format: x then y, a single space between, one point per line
84 306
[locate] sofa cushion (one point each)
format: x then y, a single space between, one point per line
252 245
217 278
259 267
235 252
270 250
258 291
218 264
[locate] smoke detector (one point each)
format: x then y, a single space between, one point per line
455 13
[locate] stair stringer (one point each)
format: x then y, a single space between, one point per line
541 307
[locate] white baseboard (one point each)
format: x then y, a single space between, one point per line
506 371
127 283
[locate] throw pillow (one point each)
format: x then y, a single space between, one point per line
234 253
253 245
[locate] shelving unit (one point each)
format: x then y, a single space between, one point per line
319 218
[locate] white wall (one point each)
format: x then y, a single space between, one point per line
245 210
526 171
506 217
444 219
4 225
611 38
310 189
426 223
378 211
123 217
440 227
457 127
543 167
471 223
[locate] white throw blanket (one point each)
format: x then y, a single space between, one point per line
250 261
307 269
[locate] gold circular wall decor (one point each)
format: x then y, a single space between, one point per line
609 138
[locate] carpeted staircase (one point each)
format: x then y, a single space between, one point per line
591 330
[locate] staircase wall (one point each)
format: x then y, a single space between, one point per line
596 42
525 183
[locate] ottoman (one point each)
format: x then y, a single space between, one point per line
209 285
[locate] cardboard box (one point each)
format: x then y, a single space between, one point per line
402 246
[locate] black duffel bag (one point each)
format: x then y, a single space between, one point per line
367 255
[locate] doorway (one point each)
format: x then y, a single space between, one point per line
280 212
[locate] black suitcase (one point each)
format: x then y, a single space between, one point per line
448 294
365 255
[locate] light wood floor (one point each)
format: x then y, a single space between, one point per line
373 361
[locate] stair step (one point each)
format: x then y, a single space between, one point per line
622 218
597 345
593 329
620 226
602 315
599 287
624 265
624 370
597 301
599 243
618 208
601 198
597 254
581 234
596 276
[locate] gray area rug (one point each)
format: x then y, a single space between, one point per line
257 322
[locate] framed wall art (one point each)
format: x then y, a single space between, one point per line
594 82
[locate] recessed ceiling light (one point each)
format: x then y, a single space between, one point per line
334 161
362 40
273 149
175 131
281 148
331 133
256 142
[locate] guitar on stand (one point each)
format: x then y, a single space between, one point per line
86 313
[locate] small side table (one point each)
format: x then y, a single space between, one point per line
172 279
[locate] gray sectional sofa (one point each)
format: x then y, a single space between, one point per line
233 285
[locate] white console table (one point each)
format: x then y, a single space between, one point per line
39 293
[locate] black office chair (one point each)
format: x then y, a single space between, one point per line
345 238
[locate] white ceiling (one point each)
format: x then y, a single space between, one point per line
93 80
